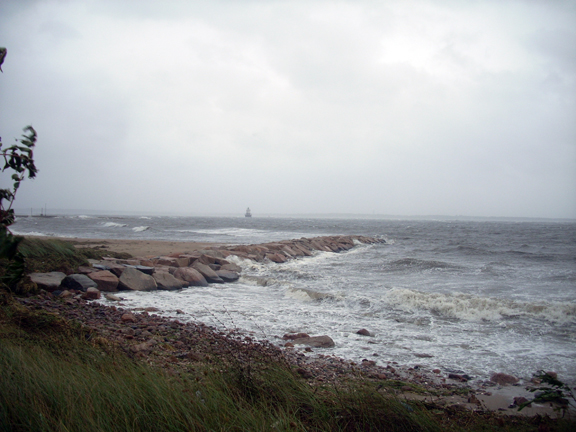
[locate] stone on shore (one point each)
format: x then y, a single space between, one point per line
363 332
232 267
78 282
166 281
91 294
503 379
227 276
210 275
105 280
190 275
135 280
315 341
48 281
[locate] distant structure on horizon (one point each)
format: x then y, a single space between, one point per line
248 212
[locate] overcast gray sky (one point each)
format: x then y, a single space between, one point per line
364 106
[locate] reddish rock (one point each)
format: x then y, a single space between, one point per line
231 267
363 332
276 257
209 274
105 280
91 294
292 336
503 379
190 275
128 317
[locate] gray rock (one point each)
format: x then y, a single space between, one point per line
227 275
144 269
48 281
135 280
78 282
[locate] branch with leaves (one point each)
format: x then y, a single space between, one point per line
20 159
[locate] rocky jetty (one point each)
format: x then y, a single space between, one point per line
178 271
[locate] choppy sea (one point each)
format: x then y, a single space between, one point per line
461 296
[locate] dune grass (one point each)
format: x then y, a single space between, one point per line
56 375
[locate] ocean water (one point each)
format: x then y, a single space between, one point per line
461 296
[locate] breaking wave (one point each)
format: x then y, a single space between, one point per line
472 308
140 228
113 225
418 264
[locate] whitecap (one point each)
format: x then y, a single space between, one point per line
113 225
140 228
473 308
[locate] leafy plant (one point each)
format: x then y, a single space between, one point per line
551 390
18 158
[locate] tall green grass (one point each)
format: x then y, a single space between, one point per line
56 375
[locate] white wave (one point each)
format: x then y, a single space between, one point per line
85 217
140 228
144 217
305 294
113 225
471 308
235 232
31 233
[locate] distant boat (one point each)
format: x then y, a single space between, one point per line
248 212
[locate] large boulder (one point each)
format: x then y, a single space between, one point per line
190 275
166 281
48 281
180 261
105 280
276 257
231 267
135 280
78 282
209 274
315 341
503 379
111 266
144 269
227 275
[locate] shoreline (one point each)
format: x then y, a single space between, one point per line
324 365
136 248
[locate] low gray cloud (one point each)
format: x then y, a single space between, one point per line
418 107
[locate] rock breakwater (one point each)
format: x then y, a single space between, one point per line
181 270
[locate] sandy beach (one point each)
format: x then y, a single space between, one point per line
140 248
